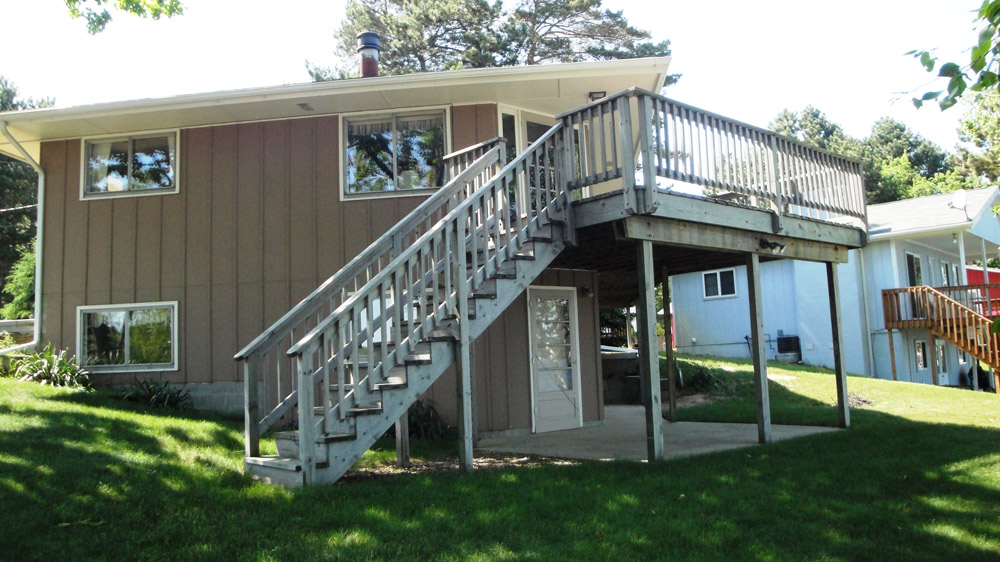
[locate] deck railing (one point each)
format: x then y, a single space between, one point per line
639 131
270 379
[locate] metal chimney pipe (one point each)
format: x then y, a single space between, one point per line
369 45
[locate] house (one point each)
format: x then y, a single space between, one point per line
358 245
909 282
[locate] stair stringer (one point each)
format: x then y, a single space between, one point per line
342 455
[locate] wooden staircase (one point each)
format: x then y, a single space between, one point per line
941 312
400 316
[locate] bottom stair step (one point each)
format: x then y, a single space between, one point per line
274 469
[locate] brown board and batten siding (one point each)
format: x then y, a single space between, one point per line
257 224
501 370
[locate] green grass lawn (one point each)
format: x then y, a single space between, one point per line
84 477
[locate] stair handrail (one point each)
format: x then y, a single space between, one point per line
254 354
492 224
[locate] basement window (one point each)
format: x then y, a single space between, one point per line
133 337
720 283
131 165
400 152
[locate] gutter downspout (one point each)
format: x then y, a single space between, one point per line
39 223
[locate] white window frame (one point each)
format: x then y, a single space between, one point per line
940 356
84 196
718 281
342 155
922 362
81 343
918 260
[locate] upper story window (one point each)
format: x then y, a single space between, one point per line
395 152
136 165
720 283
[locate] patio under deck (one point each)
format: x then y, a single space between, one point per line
622 435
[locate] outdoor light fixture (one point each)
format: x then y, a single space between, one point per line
954 238
594 96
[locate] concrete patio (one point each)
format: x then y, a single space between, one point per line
623 436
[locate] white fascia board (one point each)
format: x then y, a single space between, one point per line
448 78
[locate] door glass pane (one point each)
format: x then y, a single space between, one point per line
420 153
369 156
150 336
555 380
553 356
105 341
107 166
549 333
152 163
548 309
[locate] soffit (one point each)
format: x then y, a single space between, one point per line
549 89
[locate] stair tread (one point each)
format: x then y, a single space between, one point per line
329 437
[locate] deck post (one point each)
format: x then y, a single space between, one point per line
649 361
624 112
833 286
251 405
463 356
892 353
669 349
403 440
759 353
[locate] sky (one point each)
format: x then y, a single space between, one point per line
744 59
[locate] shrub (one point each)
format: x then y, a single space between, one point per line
701 379
48 367
6 340
21 288
425 423
157 394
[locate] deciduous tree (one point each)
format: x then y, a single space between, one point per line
981 71
97 14
981 128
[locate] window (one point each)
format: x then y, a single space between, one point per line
134 337
946 279
720 283
921 351
398 152
133 165
913 275
940 357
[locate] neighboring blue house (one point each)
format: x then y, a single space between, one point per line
914 242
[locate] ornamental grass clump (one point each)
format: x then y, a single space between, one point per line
157 394
50 367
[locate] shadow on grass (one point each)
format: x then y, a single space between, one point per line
93 484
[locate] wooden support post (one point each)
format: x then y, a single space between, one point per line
463 356
649 361
932 356
629 340
669 349
892 354
833 286
759 353
996 380
403 440
251 406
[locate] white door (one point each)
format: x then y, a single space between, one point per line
555 365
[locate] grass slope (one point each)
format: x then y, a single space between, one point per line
918 478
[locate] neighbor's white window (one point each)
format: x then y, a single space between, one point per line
921 351
394 152
142 164
133 337
720 283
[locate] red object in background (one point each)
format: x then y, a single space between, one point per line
974 274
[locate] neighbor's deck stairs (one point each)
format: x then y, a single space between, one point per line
500 257
930 308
